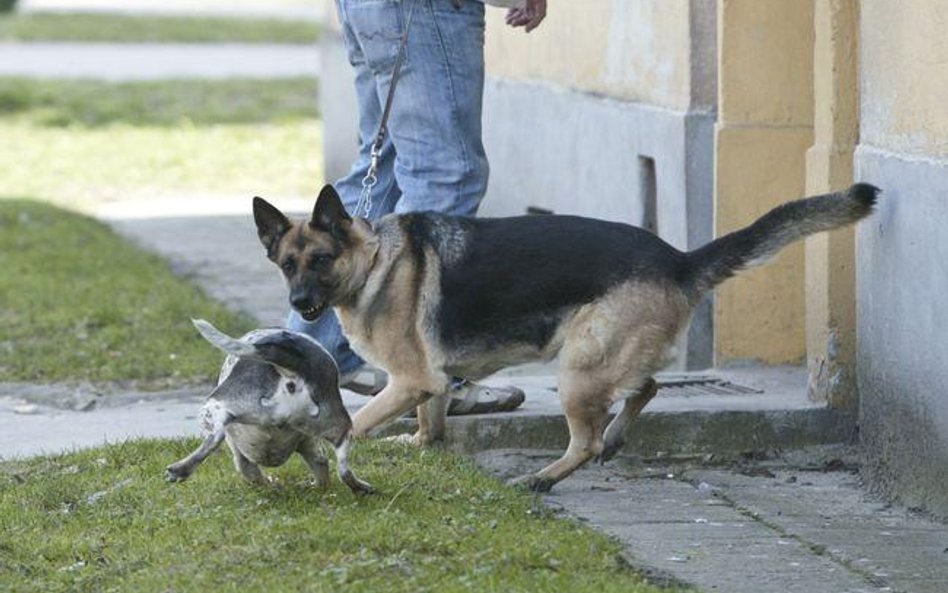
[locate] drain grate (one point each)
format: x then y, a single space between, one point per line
695 387
690 386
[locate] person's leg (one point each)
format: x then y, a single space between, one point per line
435 122
385 194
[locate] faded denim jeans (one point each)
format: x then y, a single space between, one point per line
433 158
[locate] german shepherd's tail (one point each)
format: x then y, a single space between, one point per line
754 245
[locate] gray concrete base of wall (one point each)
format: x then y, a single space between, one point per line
570 152
902 283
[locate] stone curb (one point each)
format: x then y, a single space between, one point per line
655 433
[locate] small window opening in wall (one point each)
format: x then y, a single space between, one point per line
648 190
537 211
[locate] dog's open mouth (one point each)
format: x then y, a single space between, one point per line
312 312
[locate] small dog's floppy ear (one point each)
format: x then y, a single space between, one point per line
329 214
271 225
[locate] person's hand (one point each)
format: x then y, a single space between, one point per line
529 17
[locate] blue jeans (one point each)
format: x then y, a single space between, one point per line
433 158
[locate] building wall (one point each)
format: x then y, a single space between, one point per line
902 255
631 50
763 131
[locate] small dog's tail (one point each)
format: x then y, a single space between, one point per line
223 341
754 245
290 352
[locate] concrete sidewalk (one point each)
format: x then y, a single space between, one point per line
157 61
285 9
793 524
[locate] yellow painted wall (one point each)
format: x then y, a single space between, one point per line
904 61
766 59
634 50
764 129
830 257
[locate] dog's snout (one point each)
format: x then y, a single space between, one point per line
300 302
306 305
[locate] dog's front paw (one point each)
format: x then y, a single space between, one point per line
178 472
533 483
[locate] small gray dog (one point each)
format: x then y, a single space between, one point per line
278 393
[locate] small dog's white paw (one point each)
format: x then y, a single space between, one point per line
405 439
356 485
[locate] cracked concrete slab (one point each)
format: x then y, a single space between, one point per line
723 531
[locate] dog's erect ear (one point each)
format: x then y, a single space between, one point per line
329 214
271 225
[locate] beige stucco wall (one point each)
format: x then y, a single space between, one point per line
633 50
764 129
904 68
830 257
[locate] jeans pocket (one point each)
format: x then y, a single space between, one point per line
378 26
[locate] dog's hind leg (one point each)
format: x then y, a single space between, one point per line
615 432
345 472
620 341
316 461
586 404
248 469
181 470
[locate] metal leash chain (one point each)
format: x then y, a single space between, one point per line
370 179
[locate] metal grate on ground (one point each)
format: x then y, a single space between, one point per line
701 386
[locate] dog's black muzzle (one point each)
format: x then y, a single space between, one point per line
307 307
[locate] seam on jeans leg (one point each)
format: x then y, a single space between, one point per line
354 52
468 168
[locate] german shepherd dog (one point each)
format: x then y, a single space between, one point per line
428 297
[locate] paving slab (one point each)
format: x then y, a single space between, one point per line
828 512
720 530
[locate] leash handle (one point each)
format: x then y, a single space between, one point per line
371 178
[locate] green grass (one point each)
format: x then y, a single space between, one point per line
93 104
104 520
79 303
76 302
117 28
80 143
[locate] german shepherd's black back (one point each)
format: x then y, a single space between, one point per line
514 279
